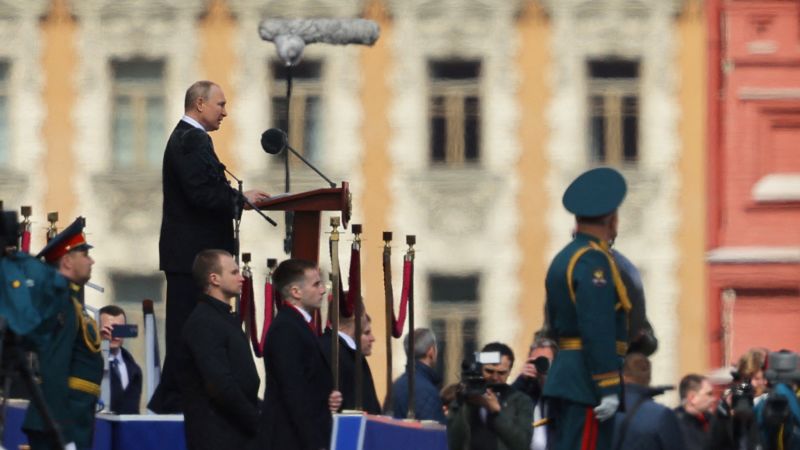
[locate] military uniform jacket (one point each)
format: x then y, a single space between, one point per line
71 367
587 307
199 204
295 413
218 379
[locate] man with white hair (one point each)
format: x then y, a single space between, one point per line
427 403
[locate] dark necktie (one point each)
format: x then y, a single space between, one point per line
116 385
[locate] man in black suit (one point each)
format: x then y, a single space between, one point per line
198 211
216 371
347 361
299 397
125 374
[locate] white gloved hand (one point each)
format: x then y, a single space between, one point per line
607 407
70 446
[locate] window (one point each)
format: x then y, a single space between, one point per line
138 120
614 111
303 119
454 112
455 320
5 134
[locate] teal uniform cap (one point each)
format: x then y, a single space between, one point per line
595 193
71 238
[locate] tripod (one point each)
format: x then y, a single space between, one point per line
13 362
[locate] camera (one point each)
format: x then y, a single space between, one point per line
742 400
125 331
541 363
783 369
472 372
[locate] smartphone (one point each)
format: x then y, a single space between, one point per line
125 331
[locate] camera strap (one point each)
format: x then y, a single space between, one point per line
623 429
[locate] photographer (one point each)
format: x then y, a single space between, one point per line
488 413
531 382
735 427
125 375
778 416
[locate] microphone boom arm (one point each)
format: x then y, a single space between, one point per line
274 141
294 152
250 204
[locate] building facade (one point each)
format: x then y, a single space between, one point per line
462 125
754 177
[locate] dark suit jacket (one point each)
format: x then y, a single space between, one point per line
347 371
126 401
295 414
652 427
218 379
199 204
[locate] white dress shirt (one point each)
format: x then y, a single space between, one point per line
123 369
192 122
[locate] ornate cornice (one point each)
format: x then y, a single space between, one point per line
141 9
16 9
297 8
591 9
438 10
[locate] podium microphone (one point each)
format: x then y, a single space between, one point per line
254 207
274 141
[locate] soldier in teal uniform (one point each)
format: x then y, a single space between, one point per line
587 312
70 361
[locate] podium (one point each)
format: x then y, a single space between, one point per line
307 208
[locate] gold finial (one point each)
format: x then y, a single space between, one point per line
387 239
246 258
335 222
52 230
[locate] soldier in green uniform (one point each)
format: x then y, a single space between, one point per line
70 361
587 311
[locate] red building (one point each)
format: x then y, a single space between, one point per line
754 176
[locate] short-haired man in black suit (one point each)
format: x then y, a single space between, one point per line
124 373
216 370
198 212
347 362
299 397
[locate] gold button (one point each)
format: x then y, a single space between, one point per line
15 284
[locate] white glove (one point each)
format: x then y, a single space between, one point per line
607 407
70 446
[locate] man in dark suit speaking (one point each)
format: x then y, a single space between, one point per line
198 212
299 397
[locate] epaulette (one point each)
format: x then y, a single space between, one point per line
622 291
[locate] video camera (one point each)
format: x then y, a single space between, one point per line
472 372
783 368
742 400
